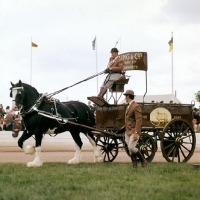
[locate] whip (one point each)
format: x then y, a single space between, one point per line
59 91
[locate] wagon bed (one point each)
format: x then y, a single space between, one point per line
174 131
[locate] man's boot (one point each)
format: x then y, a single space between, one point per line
134 160
142 160
103 91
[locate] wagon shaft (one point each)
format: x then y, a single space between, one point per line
92 128
49 115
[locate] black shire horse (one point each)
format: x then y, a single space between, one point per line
30 101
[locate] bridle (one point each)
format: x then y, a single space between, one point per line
15 91
32 107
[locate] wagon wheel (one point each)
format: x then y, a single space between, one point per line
154 136
146 145
178 141
108 147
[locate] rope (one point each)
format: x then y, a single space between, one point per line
59 91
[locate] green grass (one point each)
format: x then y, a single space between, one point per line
54 181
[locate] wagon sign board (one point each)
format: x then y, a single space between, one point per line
160 117
134 61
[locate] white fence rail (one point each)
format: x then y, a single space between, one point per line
60 142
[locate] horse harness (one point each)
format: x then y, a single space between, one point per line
48 100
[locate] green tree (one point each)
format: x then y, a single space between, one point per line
197 96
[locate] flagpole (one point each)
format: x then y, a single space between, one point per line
172 65
31 64
96 65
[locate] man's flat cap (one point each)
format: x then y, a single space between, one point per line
129 92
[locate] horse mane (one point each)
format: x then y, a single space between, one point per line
29 86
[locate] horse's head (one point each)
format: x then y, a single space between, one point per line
16 93
23 94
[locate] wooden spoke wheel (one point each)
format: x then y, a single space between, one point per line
153 134
146 145
108 147
178 141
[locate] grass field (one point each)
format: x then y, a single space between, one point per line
55 181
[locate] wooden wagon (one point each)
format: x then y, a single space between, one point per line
171 124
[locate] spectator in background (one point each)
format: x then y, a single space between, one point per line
12 112
171 102
198 116
89 104
2 124
194 122
16 127
8 124
92 108
196 126
2 111
16 110
7 109
195 114
16 116
10 117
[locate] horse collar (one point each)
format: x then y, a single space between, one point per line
34 107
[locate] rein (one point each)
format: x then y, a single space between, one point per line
35 105
49 96
59 91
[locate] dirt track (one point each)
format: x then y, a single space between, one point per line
61 149
63 156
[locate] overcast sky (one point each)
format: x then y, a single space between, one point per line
64 31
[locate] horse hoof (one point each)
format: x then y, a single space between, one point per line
73 161
98 159
33 164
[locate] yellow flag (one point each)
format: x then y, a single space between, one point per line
170 44
34 45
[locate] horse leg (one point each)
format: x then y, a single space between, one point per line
97 155
37 161
25 136
78 144
31 149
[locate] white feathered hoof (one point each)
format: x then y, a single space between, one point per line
29 150
37 161
73 161
34 164
98 159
